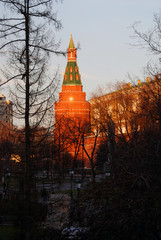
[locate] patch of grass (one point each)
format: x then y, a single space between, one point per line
9 232
9 207
37 211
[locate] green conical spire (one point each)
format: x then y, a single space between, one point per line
71 75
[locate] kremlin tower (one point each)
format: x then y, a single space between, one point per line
72 111
72 100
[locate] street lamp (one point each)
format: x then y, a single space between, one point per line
107 174
78 182
71 173
44 174
5 181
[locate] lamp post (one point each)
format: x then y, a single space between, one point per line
5 181
71 173
82 162
78 182
107 174
44 174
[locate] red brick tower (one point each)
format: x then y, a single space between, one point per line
72 111
72 100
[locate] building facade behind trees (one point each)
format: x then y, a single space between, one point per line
128 107
6 111
135 114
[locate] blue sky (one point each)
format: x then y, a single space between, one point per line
102 27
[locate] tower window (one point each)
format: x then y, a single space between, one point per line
77 77
71 77
66 69
76 69
65 77
71 70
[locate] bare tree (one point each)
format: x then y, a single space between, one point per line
151 41
27 40
77 128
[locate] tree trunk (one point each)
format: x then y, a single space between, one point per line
27 108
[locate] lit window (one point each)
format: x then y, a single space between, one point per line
65 77
71 77
75 69
77 77
71 69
